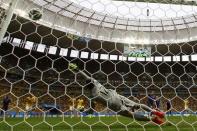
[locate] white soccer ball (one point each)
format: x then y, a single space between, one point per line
35 14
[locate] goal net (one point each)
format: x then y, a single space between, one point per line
98 65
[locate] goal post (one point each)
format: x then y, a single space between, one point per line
5 23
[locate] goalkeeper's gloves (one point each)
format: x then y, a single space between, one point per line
73 67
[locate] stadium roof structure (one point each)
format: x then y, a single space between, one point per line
184 2
121 21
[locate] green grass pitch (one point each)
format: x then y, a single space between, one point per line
116 123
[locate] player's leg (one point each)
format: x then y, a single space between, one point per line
187 111
2 111
80 109
71 111
133 105
27 108
141 116
5 109
153 111
134 115
90 111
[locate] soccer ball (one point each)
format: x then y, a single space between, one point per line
35 14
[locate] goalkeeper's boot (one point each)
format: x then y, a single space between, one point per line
159 114
158 120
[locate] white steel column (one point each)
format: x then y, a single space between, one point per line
6 22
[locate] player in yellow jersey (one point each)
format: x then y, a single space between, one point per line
186 104
80 105
29 103
71 107
186 108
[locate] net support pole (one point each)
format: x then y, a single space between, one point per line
6 22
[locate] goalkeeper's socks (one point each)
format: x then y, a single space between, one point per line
158 120
159 114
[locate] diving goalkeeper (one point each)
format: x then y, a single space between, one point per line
118 103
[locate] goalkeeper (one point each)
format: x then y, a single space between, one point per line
118 103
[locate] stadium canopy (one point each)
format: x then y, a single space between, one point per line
186 2
122 21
